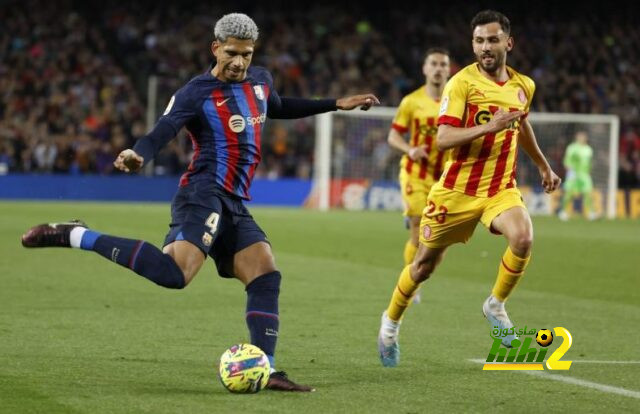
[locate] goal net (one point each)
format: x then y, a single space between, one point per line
355 168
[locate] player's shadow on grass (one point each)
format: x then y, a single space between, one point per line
214 390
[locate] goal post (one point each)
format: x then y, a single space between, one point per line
355 168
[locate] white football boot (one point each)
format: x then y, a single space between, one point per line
497 316
388 341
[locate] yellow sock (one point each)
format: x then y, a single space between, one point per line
510 271
409 252
402 294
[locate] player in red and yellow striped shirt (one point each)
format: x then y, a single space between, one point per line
422 162
482 120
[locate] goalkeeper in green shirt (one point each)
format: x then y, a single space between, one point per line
577 161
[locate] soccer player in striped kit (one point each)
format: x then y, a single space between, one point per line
483 119
422 162
224 111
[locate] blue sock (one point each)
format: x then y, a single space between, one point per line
262 312
141 257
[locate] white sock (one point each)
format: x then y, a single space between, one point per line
389 330
75 237
495 302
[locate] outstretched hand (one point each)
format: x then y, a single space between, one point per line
365 102
128 161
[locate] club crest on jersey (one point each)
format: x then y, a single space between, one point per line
522 97
259 92
237 123
428 130
207 239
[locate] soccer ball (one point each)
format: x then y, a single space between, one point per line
244 368
544 337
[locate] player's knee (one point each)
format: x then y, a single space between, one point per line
425 263
421 270
185 282
175 279
175 275
187 276
182 264
522 243
267 281
179 285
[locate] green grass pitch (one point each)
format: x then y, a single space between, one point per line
81 335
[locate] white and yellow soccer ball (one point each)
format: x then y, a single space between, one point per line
244 368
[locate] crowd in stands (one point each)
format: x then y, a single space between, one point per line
65 106
73 75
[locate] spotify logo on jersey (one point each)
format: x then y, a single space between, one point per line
237 123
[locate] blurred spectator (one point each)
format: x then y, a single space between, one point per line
63 95
71 74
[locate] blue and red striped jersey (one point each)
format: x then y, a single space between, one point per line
224 121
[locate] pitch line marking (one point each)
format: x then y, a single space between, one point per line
575 381
590 361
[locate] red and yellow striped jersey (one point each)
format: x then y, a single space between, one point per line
418 115
487 164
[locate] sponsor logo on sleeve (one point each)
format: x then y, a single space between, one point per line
170 105
444 106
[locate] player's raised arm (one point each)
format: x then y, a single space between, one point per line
145 149
179 110
365 102
527 140
450 136
293 108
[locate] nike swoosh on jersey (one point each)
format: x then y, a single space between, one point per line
220 103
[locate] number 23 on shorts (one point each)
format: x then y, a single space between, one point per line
441 216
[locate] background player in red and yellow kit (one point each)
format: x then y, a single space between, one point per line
483 120
422 162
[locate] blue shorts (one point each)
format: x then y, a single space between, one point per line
218 223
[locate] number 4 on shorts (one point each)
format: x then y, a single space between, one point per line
212 222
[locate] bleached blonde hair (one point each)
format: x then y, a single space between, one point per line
236 25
